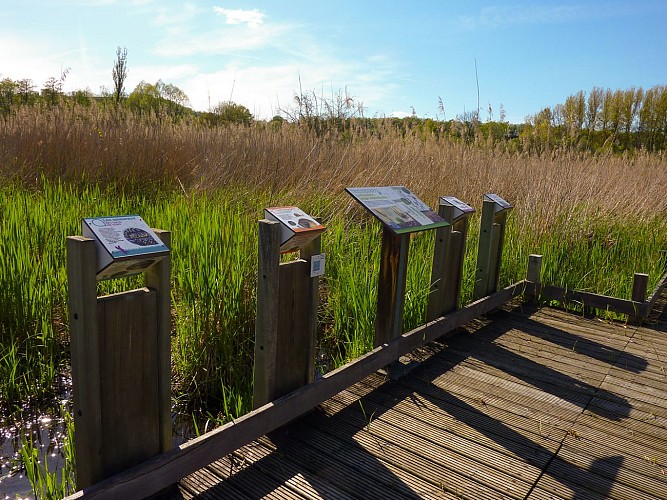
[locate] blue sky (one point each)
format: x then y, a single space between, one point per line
394 56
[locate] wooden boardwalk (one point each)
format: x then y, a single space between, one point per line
530 404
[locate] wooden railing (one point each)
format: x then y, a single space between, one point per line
277 405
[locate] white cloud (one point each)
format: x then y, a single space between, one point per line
251 18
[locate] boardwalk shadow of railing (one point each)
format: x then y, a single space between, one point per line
419 438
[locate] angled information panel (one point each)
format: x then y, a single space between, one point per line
296 226
460 208
500 203
397 208
125 245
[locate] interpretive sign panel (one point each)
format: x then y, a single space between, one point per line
460 208
296 226
500 203
397 208
125 245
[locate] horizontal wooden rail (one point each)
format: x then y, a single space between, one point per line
604 302
163 470
587 299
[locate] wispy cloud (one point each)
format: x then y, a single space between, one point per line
251 18
498 16
175 17
232 40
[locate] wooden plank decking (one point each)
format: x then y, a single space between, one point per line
530 404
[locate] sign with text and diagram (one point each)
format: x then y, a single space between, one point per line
296 227
125 245
397 208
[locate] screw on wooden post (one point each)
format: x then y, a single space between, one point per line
534 275
391 286
158 278
85 351
485 250
266 324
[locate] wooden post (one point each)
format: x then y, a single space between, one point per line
266 318
534 274
484 250
286 318
494 259
120 367
391 286
639 287
158 278
441 257
312 248
448 257
460 232
293 341
454 272
85 351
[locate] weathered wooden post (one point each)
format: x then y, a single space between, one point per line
491 238
120 346
391 286
401 213
448 257
287 300
639 291
534 276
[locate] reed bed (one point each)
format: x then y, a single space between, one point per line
596 220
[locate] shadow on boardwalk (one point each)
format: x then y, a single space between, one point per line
436 433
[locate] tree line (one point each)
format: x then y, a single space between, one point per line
604 119
161 100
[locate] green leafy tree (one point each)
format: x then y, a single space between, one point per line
8 90
160 99
53 88
230 112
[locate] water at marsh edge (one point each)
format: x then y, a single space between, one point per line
48 434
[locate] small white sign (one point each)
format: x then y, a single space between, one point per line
500 203
296 227
125 245
317 263
460 208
